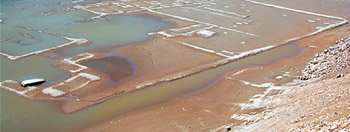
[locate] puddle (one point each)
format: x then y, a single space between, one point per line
118 68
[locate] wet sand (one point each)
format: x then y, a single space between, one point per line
215 105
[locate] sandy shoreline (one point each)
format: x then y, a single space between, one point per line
208 113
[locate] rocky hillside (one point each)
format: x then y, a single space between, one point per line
321 102
332 60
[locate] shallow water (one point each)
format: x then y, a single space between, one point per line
117 68
31 14
19 114
117 30
114 31
18 44
31 67
270 25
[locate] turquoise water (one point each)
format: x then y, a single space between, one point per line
31 67
30 13
116 30
109 32
19 114
18 44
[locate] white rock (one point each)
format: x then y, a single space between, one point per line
279 77
53 92
206 33
311 21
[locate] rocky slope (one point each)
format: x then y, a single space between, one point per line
334 59
321 100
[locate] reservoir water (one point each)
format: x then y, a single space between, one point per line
51 17
115 30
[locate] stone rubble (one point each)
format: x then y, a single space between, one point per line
331 60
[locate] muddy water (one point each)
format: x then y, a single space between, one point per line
19 114
117 68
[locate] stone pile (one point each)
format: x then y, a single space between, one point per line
331 60
341 125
